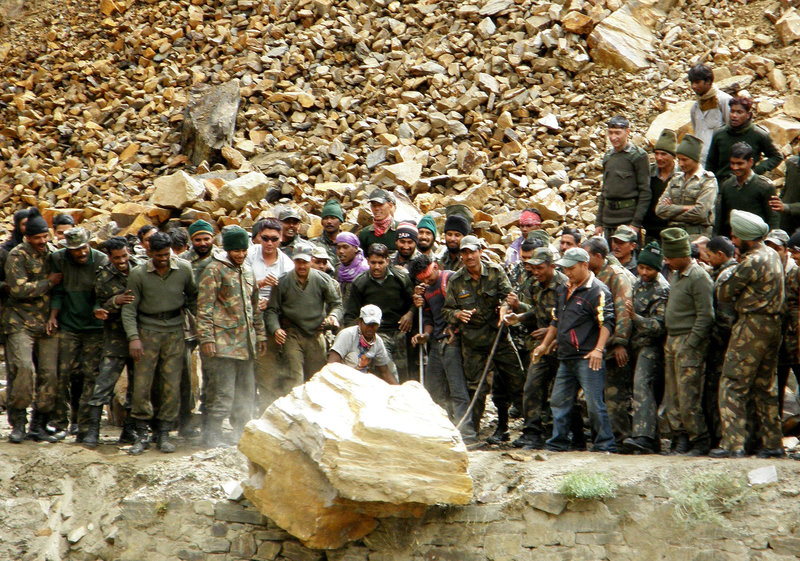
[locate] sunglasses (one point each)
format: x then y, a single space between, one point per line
270 238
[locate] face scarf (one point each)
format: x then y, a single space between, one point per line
357 266
382 226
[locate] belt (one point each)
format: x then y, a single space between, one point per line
619 204
163 315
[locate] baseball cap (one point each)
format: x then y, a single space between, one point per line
541 255
76 237
778 237
302 252
381 196
371 314
572 257
471 243
289 213
319 252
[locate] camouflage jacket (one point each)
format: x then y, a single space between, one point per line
649 305
28 304
542 298
521 284
395 259
484 295
756 283
620 282
698 192
791 309
198 266
449 263
110 282
330 247
724 312
227 304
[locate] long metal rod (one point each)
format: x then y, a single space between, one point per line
421 365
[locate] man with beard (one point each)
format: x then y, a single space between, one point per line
426 239
456 227
332 218
383 229
407 236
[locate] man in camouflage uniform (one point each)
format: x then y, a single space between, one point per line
623 246
688 318
536 312
111 294
473 297
756 287
689 198
790 353
153 322
719 253
650 293
456 226
290 219
31 347
619 375
231 333
80 345
332 218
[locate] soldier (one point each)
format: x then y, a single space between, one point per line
383 229
305 302
582 322
740 129
529 220
749 371
650 293
179 240
407 236
623 246
719 253
711 110
31 346
111 293
80 345
688 201
161 288
426 242
618 371
143 235
537 305
661 172
320 260
332 218
625 195
391 289
360 347
61 223
456 227
744 190
444 375
290 219
688 319
570 237
231 334
788 356
473 296
351 262
788 204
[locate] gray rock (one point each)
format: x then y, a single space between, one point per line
209 121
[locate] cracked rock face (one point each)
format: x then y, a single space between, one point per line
345 449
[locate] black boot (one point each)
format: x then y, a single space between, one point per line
18 419
186 428
141 443
37 431
212 432
128 434
501 431
163 442
679 444
92 437
638 445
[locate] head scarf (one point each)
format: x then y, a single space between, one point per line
748 226
346 273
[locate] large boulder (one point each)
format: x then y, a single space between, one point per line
783 130
178 190
788 27
677 117
346 448
249 188
209 121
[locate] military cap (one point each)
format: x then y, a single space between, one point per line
76 238
541 255
319 252
471 243
618 122
381 196
288 214
675 243
625 234
572 257
778 237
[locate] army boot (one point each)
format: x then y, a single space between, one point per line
17 419
141 443
38 429
128 434
92 437
501 431
163 442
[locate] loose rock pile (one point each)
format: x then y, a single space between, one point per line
149 111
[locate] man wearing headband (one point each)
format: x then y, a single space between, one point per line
529 220
756 287
351 261
407 238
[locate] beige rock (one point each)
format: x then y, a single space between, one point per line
777 79
625 38
249 188
234 158
346 448
783 130
548 202
125 213
474 197
403 173
791 106
178 190
677 118
486 28
788 27
576 22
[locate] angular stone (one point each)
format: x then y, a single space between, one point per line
231 512
178 190
783 130
791 106
777 79
625 38
788 27
233 157
293 551
486 28
403 173
549 203
474 197
209 122
492 7
576 22
249 188
325 473
267 551
785 545
125 213
677 118
551 503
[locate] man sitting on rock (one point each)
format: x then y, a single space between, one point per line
360 347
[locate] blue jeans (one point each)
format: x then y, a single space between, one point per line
570 374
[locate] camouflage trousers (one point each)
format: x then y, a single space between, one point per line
646 375
396 343
683 388
750 372
79 355
32 371
617 396
714 362
536 393
506 381
231 390
157 377
110 371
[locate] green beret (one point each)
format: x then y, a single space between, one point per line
235 237
200 226
691 147
675 243
651 256
332 208
427 223
667 142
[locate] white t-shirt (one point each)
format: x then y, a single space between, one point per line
354 355
255 258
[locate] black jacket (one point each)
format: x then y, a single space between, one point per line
579 318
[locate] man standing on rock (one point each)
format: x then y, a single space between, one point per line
688 319
456 227
332 218
474 296
689 199
31 345
660 174
290 219
625 195
231 333
749 372
383 229
711 110
583 321
80 345
161 288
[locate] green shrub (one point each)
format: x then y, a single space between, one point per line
706 497
588 485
